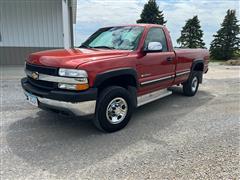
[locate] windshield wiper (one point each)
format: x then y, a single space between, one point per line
84 46
106 47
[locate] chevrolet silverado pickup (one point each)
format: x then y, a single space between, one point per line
114 71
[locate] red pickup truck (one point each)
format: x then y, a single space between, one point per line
112 72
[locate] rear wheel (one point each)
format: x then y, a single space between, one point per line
114 109
190 87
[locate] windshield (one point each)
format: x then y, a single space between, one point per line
122 38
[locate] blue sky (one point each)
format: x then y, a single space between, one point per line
93 14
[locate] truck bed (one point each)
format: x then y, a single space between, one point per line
191 53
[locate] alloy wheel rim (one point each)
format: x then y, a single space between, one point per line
116 110
194 84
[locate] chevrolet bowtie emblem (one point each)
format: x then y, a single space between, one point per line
35 75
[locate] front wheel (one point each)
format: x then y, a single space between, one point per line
114 109
190 87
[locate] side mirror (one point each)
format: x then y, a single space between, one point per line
154 47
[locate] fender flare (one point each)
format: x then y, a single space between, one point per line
194 64
100 78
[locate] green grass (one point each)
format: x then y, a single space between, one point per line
233 62
216 60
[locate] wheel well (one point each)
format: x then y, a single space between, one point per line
122 80
198 67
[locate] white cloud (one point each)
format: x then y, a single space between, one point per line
108 12
97 13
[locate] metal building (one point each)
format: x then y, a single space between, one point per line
33 25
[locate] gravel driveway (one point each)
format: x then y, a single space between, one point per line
173 138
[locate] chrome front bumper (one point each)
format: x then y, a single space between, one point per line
74 103
84 108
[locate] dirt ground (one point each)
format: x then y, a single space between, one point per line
176 137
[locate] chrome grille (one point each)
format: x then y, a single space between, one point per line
42 69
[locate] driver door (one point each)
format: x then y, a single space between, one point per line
156 69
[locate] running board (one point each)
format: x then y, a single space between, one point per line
147 98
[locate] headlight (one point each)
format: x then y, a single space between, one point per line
72 73
78 75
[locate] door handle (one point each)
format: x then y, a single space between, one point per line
170 58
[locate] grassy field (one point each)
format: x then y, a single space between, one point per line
233 62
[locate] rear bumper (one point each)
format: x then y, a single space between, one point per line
74 103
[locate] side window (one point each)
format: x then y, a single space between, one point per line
157 35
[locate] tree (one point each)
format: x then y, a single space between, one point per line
226 42
151 14
191 34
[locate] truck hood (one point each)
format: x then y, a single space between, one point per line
72 58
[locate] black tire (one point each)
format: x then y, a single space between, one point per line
107 98
190 87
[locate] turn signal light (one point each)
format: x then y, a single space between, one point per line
82 87
76 87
